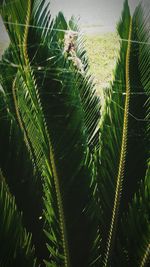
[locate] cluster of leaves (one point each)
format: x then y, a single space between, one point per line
80 178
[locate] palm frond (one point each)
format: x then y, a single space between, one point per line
89 98
143 36
50 114
50 56
18 165
138 137
121 131
15 242
135 226
113 144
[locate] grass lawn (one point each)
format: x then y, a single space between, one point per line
3 46
102 51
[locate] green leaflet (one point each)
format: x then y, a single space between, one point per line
60 208
52 160
19 250
135 226
122 158
49 157
146 256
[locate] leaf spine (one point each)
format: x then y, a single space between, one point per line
146 257
122 158
52 158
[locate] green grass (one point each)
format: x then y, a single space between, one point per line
2 48
102 51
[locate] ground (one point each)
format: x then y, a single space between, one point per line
102 51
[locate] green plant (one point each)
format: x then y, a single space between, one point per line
80 178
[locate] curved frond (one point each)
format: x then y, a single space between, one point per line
123 138
17 163
135 226
142 17
49 110
15 242
111 165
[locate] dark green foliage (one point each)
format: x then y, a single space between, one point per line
21 175
80 179
15 242
136 152
111 136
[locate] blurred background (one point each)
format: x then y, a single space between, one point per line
94 15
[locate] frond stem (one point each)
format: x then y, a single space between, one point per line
60 208
122 159
52 157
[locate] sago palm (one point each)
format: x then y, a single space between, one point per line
75 178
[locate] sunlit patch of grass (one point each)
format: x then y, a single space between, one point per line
102 51
3 46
